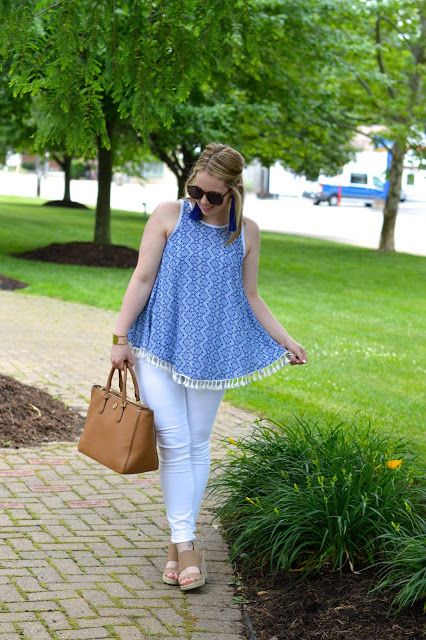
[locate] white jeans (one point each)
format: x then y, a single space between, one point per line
183 420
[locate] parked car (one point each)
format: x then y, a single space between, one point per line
361 186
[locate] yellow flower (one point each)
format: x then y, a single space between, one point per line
393 464
232 441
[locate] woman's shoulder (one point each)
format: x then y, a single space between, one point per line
251 234
167 213
167 208
250 225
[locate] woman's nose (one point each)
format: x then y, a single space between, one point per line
204 200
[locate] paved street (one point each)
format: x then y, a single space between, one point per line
81 547
350 223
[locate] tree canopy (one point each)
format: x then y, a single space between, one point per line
90 62
278 79
98 67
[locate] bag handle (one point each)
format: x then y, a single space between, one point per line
123 384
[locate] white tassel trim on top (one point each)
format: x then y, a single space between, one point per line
229 383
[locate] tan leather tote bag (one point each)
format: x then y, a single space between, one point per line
119 432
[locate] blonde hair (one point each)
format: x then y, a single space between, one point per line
227 164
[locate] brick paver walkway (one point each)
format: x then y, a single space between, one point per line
81 547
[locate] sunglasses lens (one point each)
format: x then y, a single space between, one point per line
195 192
214 198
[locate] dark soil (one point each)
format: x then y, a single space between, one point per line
29 416
87 254
10 284
330 606
68 204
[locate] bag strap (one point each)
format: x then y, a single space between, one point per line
123 383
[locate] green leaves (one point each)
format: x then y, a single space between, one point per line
137 58
309 494
403 571
278 79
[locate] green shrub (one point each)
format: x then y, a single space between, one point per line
404 568
311 494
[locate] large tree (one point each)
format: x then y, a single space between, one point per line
307 141
98 66
317 73
275 103
18 126
257 82
324 72
380 70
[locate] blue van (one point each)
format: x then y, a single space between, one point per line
355 185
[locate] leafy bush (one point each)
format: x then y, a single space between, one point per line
404 568
312 493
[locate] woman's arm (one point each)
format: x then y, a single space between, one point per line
150 252
260 308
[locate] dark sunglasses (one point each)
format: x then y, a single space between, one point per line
212 196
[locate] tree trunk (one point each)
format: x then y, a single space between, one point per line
181 168
387 238
103 203
181 179
66 166
185 169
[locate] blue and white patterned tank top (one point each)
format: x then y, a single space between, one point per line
198 323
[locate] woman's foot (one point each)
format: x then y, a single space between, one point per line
171 571
192 571
183 577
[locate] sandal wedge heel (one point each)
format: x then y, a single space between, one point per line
193 558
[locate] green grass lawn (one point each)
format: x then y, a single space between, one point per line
358 313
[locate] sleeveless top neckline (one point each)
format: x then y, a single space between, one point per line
217 226
198 323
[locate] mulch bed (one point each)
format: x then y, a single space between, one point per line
9 284
67 204
329 606
86 254
30 416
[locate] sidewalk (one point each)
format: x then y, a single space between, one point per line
81 547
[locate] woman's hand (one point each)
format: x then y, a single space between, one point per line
120 353
298 353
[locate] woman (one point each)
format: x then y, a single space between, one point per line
193 325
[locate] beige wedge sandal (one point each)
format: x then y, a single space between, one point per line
192 558
172 556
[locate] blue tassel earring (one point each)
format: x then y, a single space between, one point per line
195 212
232 226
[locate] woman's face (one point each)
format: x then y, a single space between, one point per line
207 182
